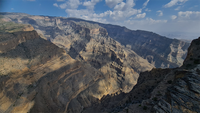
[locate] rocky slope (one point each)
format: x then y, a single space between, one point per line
91 73
91 44
161 90
38 76
158 50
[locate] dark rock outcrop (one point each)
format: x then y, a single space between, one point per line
160 90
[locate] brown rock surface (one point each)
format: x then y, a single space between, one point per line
90 43
160 51
37 76
161 90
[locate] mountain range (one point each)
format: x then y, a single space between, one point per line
56 64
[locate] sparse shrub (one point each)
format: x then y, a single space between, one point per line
144 107
126 110
196 61
198 71
139 105
169 81
197 42
188 65
155 99
30 86
20 94
158 94
179 76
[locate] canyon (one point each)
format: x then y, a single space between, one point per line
56 64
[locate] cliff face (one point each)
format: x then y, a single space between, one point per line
90 43
161 90
183 95
160 51
38 76
86 64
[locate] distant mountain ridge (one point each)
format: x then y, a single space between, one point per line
158 50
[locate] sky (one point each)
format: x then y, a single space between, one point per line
175 18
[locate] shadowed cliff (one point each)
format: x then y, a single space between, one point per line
160 90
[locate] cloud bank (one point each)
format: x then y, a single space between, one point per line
124 13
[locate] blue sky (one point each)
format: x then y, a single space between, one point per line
170 16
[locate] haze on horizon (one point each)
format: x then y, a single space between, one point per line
172 18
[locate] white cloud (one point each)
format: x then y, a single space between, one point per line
74 3
120 6
63 6
12 8
140 15
148 24
125 6
152 21
178 8
120 12
145 23
160 13
148 10
187 21
174 2
112 3
71 4
193 15
88 14
123 13
145 4
130 3
91 4
55 4
107 15
173 17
